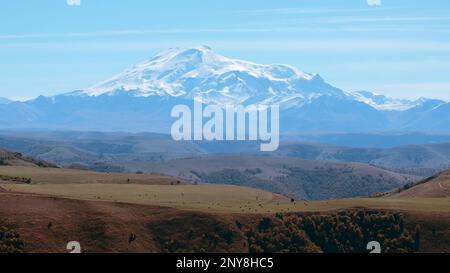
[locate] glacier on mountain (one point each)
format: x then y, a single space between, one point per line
201 73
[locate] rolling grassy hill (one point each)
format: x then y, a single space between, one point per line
325 174
207 198
200 218
297 178
128 212
437 186
72 176
46 224
8 158
163 214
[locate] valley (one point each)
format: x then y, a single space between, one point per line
299 170
102 212
127 152
235 127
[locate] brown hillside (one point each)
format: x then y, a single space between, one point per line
8 158
434 187
47 224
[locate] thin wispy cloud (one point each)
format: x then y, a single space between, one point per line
294 45
70 34
313 25
349 21
379 19
293 11
327 37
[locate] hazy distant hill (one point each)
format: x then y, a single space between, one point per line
90 148
125 151
289 176
372 140
8 158
423 160
317 178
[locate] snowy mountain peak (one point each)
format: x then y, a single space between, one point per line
141 98
199 71
384 103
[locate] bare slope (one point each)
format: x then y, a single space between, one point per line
8 158
46 224
434 187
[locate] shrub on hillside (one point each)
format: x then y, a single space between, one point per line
10 241
272 236
343 232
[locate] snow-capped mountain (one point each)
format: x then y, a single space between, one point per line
201 73
384 103
141 98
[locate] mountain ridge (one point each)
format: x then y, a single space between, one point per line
141 98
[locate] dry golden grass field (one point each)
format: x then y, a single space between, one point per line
209 198
70 176
101 210
221 198
164 191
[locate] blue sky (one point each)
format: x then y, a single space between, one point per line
400 48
